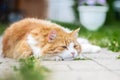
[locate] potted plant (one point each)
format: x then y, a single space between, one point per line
92 13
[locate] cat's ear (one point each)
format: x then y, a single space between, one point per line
75 32
52 35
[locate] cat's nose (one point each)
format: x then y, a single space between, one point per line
73 54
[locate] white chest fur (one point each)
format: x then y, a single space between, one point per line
32 43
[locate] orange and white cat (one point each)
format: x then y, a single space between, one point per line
40 38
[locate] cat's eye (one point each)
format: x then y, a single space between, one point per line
75 46
64 47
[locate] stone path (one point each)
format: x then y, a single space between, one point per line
102 66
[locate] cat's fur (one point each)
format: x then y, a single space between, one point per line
39 38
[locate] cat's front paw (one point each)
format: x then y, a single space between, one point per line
58 58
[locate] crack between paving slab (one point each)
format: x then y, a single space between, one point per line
106 68
69 67
97 63
103 66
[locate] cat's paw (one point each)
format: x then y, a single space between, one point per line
58 58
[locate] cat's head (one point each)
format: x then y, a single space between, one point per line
63 44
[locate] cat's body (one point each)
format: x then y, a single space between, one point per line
39 38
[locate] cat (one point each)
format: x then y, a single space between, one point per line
40 38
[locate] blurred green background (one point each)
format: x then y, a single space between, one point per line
107 36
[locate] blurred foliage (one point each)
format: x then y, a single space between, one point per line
118 57
2 28
110 14
30 69
75 9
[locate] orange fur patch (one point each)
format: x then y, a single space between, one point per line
15 44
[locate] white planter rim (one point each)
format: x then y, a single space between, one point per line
93 8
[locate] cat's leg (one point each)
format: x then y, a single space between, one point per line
57 58
33 45
21 50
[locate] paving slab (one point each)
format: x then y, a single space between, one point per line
85 65
80 70
81 75
110 64
6 66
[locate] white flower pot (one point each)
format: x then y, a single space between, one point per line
92 17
